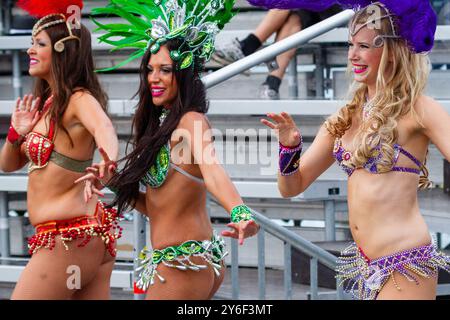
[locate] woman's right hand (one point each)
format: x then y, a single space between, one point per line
285 128
25 114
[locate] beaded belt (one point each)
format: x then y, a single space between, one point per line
104 224
365 278
211 251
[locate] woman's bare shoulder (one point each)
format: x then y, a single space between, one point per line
190 118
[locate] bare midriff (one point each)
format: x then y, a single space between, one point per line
384 215
177 210
53 195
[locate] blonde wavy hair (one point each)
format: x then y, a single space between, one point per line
401 79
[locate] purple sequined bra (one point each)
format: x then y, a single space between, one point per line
341 155
364 278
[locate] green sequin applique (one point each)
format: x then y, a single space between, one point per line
179 257
157 173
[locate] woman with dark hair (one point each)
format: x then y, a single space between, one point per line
74 246
380 140
173 156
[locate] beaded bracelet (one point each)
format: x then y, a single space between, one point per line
14 137
289 158
241 213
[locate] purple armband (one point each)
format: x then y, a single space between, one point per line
289 158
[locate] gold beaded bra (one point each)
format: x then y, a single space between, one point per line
39 149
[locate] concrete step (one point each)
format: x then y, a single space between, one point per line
124 86
264 166
248 289
437 86
248 286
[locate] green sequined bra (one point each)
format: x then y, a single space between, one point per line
157 173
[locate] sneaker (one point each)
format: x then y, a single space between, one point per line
267 93
229 53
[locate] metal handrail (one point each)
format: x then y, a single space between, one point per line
277 48
296 241
289 238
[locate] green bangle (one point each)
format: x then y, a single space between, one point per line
241 213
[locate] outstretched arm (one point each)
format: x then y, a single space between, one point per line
86 109
313 162
99 174
198 135
89 112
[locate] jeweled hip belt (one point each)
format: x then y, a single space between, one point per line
211 251
104 224
365 278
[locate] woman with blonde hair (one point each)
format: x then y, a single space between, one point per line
380 139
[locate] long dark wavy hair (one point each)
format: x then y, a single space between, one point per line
71 69
147 136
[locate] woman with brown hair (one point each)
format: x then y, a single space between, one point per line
380 139
73 249
173 164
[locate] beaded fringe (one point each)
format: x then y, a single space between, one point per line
109 231
211 251
364 279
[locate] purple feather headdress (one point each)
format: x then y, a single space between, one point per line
415 19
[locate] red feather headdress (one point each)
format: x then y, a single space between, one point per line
39 8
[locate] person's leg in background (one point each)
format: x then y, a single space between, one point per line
297 21
270 88
273 21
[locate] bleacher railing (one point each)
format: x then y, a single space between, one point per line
277 48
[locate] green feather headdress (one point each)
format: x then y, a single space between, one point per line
151 23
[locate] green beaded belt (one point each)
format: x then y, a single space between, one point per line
211 251
241 213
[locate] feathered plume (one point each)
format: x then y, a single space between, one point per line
39 8
416 19
150 23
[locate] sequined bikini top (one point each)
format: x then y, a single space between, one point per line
156 175
39 149
341 155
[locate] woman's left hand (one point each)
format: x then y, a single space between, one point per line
98 176
241 230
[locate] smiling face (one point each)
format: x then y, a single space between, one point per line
161 78
363 57
40 54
